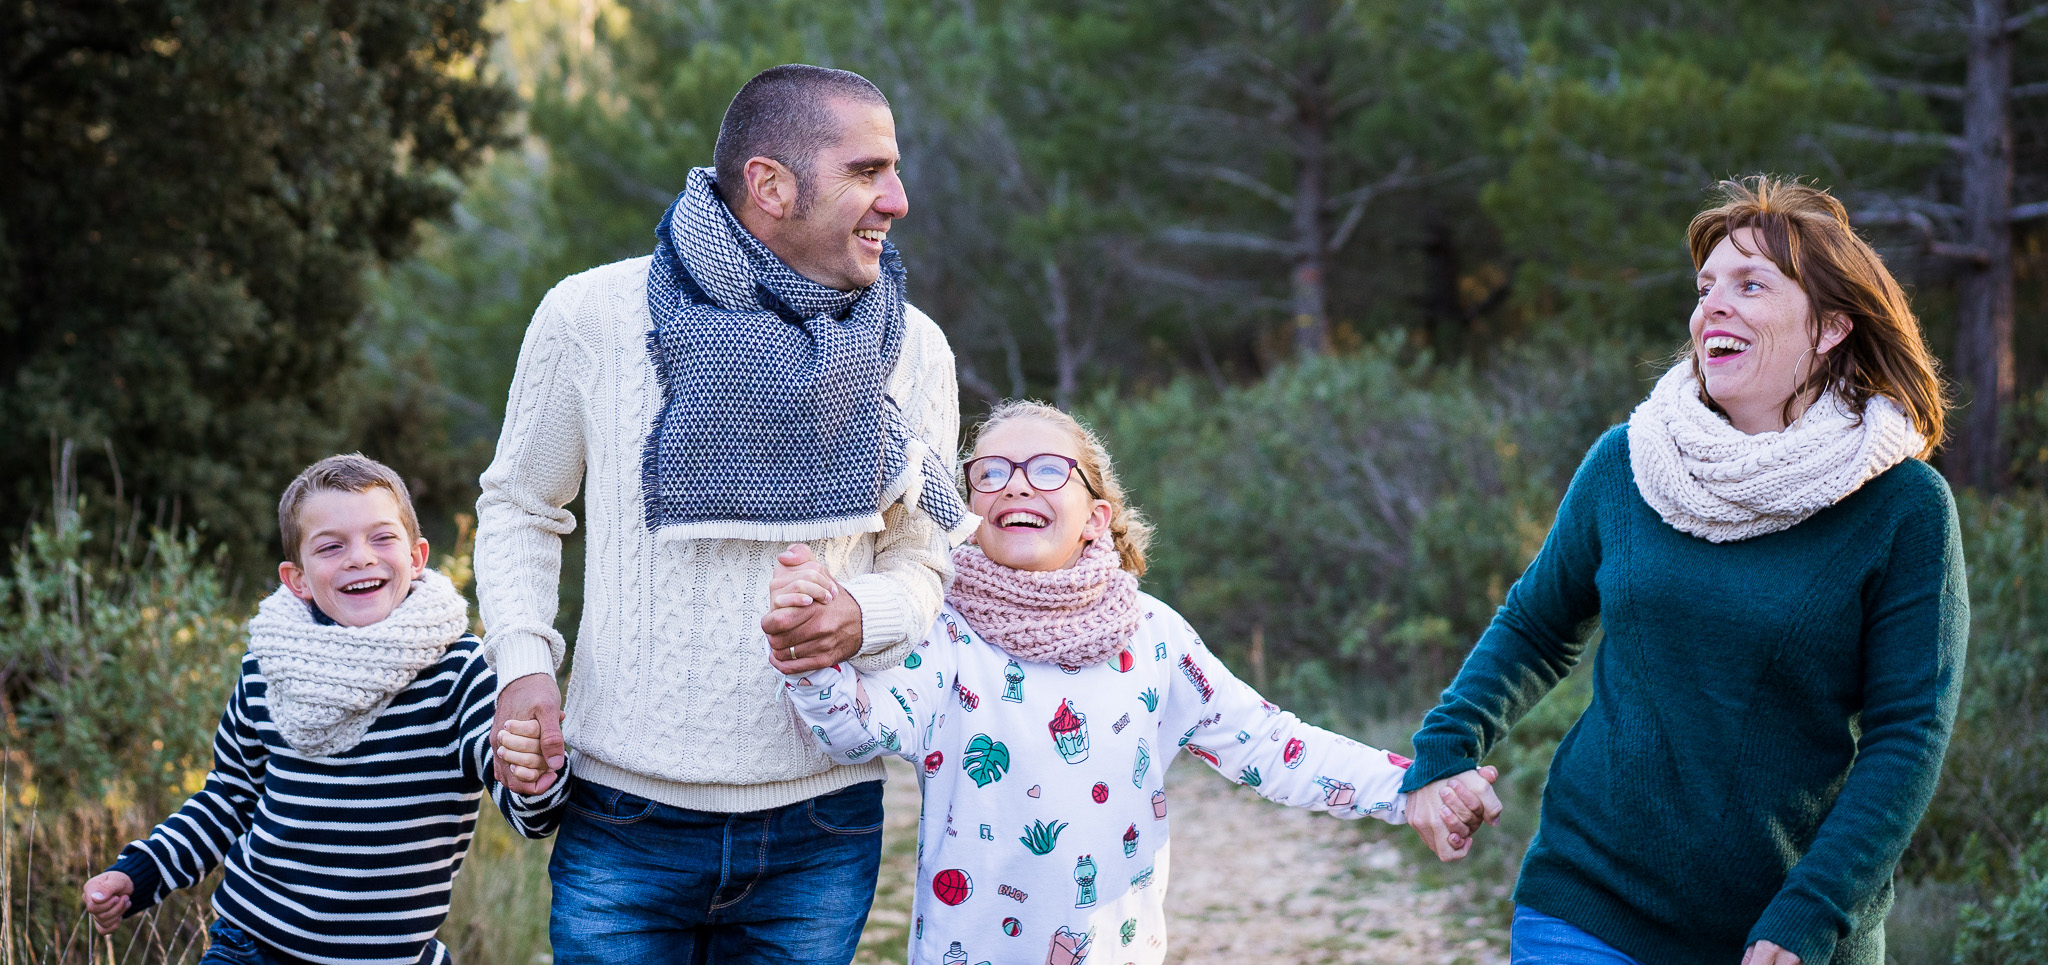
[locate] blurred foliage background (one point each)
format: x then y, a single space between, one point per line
1350 285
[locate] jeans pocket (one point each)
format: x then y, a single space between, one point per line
852 810
608 804
228 945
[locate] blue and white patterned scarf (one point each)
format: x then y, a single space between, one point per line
775 424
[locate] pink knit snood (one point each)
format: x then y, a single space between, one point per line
1077 617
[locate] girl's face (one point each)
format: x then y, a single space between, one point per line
1023 527
1752 334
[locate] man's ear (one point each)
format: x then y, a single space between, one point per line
1833 331
771 187
294 579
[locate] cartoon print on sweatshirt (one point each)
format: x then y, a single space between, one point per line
1084 881
1013 682
1076 834
1069 733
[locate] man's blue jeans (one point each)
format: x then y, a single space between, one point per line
1539 939
640 882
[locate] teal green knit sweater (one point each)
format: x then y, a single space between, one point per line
1767 724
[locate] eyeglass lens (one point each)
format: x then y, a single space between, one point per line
1045 472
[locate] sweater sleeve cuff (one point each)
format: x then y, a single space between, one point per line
518 654
1803 924
1434 761
140 866
885 620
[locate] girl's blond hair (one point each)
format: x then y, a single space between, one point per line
1128 530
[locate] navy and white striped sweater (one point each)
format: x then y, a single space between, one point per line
343 859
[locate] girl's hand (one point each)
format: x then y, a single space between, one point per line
106 899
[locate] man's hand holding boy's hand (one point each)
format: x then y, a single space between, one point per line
535 699
1446 813
518 750
106 899
814 622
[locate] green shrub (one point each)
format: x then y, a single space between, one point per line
2015 929
116 657
1996 773
1359 516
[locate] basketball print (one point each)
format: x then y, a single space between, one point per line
1100 792
952 886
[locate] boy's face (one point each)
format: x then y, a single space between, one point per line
358 564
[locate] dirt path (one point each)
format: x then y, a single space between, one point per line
1293 888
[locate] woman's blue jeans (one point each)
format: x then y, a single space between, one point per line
641 882
1539 939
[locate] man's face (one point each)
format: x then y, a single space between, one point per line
854 195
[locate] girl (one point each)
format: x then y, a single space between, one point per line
1043 708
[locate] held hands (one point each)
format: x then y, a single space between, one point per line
813 622
106 899
518 751
530 706
1446 813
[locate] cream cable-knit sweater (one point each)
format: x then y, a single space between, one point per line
671 696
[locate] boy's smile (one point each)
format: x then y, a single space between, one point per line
357 565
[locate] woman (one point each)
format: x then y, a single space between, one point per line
1779 581
1043 709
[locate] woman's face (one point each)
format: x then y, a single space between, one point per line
1022 527
1751 334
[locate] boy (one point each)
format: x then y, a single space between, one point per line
350 760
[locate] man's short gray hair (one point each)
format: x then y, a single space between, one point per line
785 113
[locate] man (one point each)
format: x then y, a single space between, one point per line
758 381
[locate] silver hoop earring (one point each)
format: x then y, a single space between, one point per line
1797 379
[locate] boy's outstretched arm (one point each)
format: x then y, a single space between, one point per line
535 815
194 839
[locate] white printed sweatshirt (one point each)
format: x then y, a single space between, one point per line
1044 833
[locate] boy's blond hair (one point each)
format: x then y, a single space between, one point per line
1129 532
349 473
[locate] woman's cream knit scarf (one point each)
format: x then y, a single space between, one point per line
327 684
1710 479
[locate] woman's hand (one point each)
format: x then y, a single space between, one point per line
1765 953
1445 813
106 899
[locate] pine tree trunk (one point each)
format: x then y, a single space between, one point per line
1311 185
1985 290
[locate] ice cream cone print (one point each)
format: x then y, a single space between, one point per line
1069 733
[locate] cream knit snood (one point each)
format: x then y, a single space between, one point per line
327 684
1712 480
1079 616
